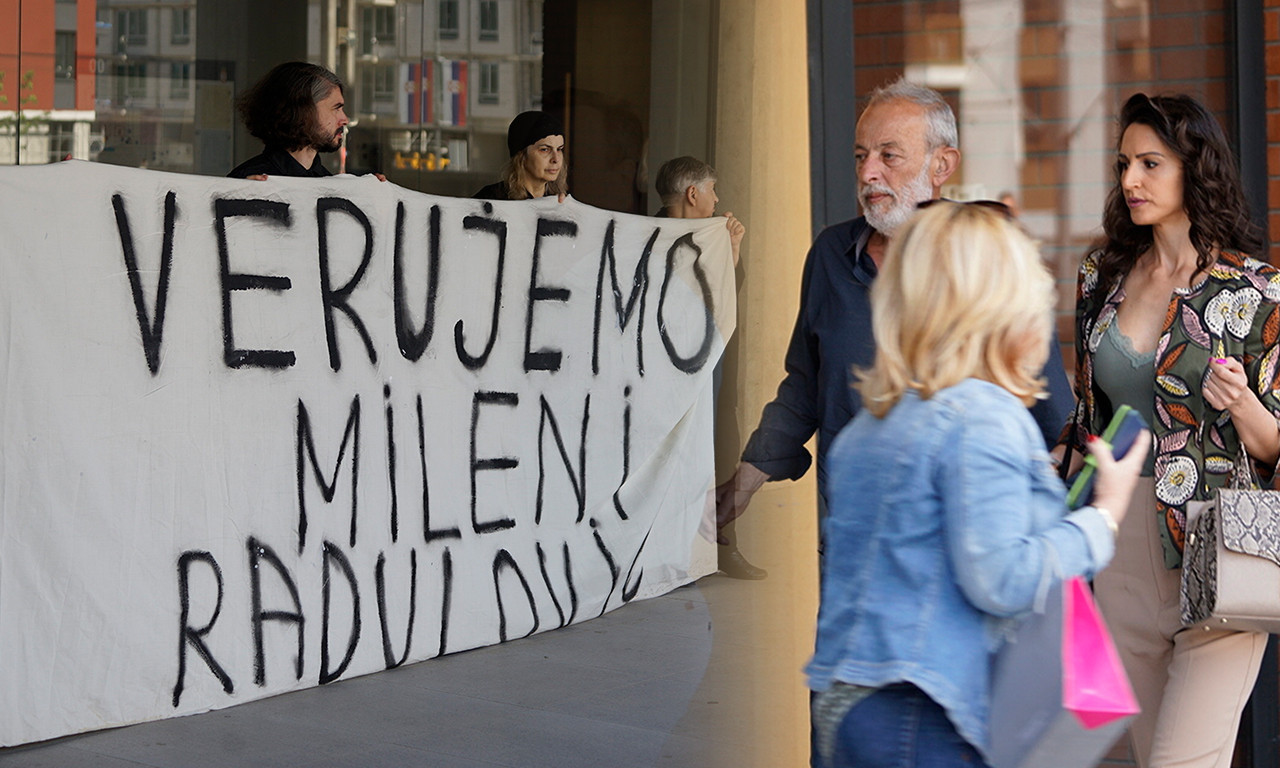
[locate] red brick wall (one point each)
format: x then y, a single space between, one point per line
32 85
86 44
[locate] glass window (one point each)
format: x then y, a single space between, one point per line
122 23
448 29
378 89
415 73
488 92
179 80
131 81
64 55
489 21
131 28
62 141
377 27
180 26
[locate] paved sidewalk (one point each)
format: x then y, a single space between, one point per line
640 686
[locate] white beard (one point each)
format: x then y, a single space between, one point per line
887 220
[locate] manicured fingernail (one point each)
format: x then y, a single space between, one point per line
1091 438
1220 360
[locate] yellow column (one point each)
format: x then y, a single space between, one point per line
762 159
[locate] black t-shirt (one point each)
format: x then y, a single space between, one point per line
495 191
498 191
278 162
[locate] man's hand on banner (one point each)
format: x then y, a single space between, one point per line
733 495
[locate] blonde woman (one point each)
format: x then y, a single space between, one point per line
946 513
535 141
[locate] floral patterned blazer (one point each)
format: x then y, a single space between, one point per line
1233 312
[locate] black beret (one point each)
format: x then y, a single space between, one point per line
529 127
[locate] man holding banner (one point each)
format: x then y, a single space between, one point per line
296 109
687 186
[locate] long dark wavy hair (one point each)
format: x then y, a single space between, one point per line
280 109
1211 192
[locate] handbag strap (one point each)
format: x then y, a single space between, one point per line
1243 477
1064 468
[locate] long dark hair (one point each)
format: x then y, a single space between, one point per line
280 109
1211 192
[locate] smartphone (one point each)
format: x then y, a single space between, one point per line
1120 434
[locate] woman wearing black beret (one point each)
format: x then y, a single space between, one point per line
536 168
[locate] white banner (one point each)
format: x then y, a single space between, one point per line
259 436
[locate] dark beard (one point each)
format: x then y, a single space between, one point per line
327 143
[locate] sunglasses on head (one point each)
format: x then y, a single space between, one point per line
994 205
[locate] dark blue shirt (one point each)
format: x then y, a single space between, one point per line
832 335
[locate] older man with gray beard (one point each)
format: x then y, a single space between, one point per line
905 151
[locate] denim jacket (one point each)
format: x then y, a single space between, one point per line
946 520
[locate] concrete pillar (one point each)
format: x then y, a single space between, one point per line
762 158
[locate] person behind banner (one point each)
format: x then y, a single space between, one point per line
906 148
1177 318
296 109
945 514
536 168
687 187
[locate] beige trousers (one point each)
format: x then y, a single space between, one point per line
1192 684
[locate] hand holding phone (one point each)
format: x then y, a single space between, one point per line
1125 428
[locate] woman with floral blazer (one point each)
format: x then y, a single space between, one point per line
1174 319
1234 312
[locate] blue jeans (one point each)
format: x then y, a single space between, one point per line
899 726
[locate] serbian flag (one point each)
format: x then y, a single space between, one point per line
410 97
417 86
453 106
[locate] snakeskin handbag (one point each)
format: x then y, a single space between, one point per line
1231 560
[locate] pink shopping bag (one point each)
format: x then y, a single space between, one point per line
1060 696
1095 687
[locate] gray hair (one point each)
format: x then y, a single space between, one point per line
323 82
678 174
940 121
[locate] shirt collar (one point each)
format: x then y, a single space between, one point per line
864 268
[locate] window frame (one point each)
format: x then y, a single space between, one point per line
489 24
447 19
180 31
180 80
488 84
